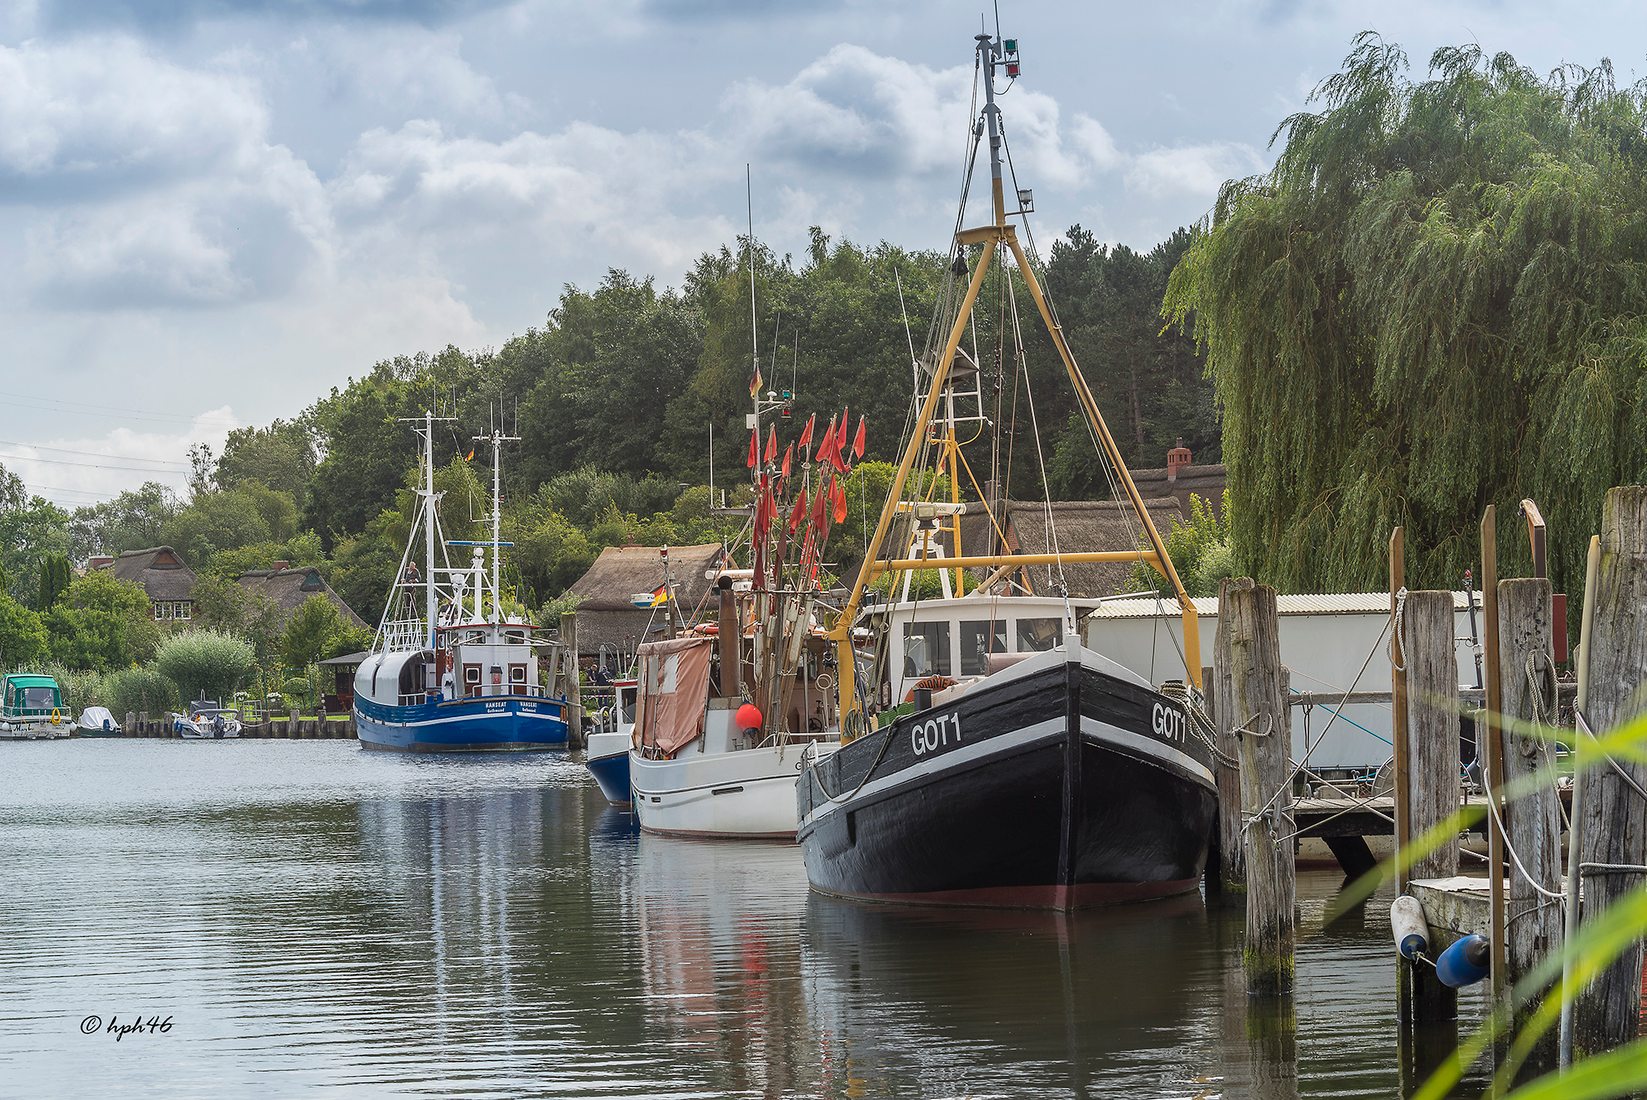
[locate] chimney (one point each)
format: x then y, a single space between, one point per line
282 566
1177 458
100 561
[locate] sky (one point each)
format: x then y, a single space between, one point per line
214 211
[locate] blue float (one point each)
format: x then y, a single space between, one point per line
1465 962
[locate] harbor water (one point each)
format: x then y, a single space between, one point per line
281 918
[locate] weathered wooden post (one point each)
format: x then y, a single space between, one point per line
1432 779
1526 661
573 681
1614 817
1232 859
1257 697
293 723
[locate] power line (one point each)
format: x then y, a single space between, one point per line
94 454
134 413
87 465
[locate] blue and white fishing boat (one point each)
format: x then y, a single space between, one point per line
454 675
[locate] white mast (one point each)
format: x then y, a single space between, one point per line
497 439
429 603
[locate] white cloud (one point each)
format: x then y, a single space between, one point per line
102 116
76 468
1192 170
409 70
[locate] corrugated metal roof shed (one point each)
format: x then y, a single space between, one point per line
1321 603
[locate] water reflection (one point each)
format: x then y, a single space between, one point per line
313 916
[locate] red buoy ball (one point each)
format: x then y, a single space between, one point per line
749 717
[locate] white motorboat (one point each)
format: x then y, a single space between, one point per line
97 722
206 721
607 750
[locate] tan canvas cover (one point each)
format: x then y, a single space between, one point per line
674 690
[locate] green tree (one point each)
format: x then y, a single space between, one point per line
366 454
280 456
134 520
29 535
23 637
1436 300
224 605
54 579
205 663
139 691
316 632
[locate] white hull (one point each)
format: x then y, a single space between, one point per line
742 793
195 735
34 733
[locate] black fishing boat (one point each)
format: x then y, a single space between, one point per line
992 756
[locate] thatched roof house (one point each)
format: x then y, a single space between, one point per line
161 572
288 587
1180 478
607 615
1079 524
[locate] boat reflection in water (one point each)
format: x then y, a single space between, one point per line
1009 1002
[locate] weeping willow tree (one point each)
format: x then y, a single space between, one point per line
1434 301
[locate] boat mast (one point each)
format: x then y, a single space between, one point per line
429 603
996 238
497 439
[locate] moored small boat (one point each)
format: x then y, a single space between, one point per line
31 708
207 721
607 748
97 722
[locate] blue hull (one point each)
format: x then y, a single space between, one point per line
612 777
497 724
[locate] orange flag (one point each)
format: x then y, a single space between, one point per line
858 442
838 495
754 449
824 444
797 514
771 445
789 453
806 432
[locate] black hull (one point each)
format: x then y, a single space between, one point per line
1064 788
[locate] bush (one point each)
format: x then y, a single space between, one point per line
81 689
136 690
205 663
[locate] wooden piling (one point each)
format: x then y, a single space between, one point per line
1232 860
573 682
1614 817
1492 763
1431 779
1257 705
1526 659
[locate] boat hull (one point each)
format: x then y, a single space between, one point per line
608 763
746 793
1063 788
491 724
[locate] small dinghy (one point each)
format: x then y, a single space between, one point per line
97 722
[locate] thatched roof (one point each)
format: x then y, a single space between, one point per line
606 611
620 572
1206 481
160 571
1079 525
288 588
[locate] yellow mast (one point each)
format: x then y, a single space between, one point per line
993 238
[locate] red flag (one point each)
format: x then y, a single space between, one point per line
838 495
837 446
754 449
806 432
858 442
755 380
789 453
819 507
822 453
798 513
840 434
771 445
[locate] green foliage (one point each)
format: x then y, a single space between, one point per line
54 579
29 535
139 690
1436 300
224 605
317 631
1200 551
205 663
281 457
23 637
250 513
80 688
134 520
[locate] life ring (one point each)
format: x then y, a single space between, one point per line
931 683
710 629
56 716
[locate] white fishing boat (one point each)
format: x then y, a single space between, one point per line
31 708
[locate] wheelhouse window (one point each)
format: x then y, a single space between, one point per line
926 649
980 638
1036 635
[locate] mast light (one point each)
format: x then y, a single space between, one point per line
1011 45
1026 200
1012 68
